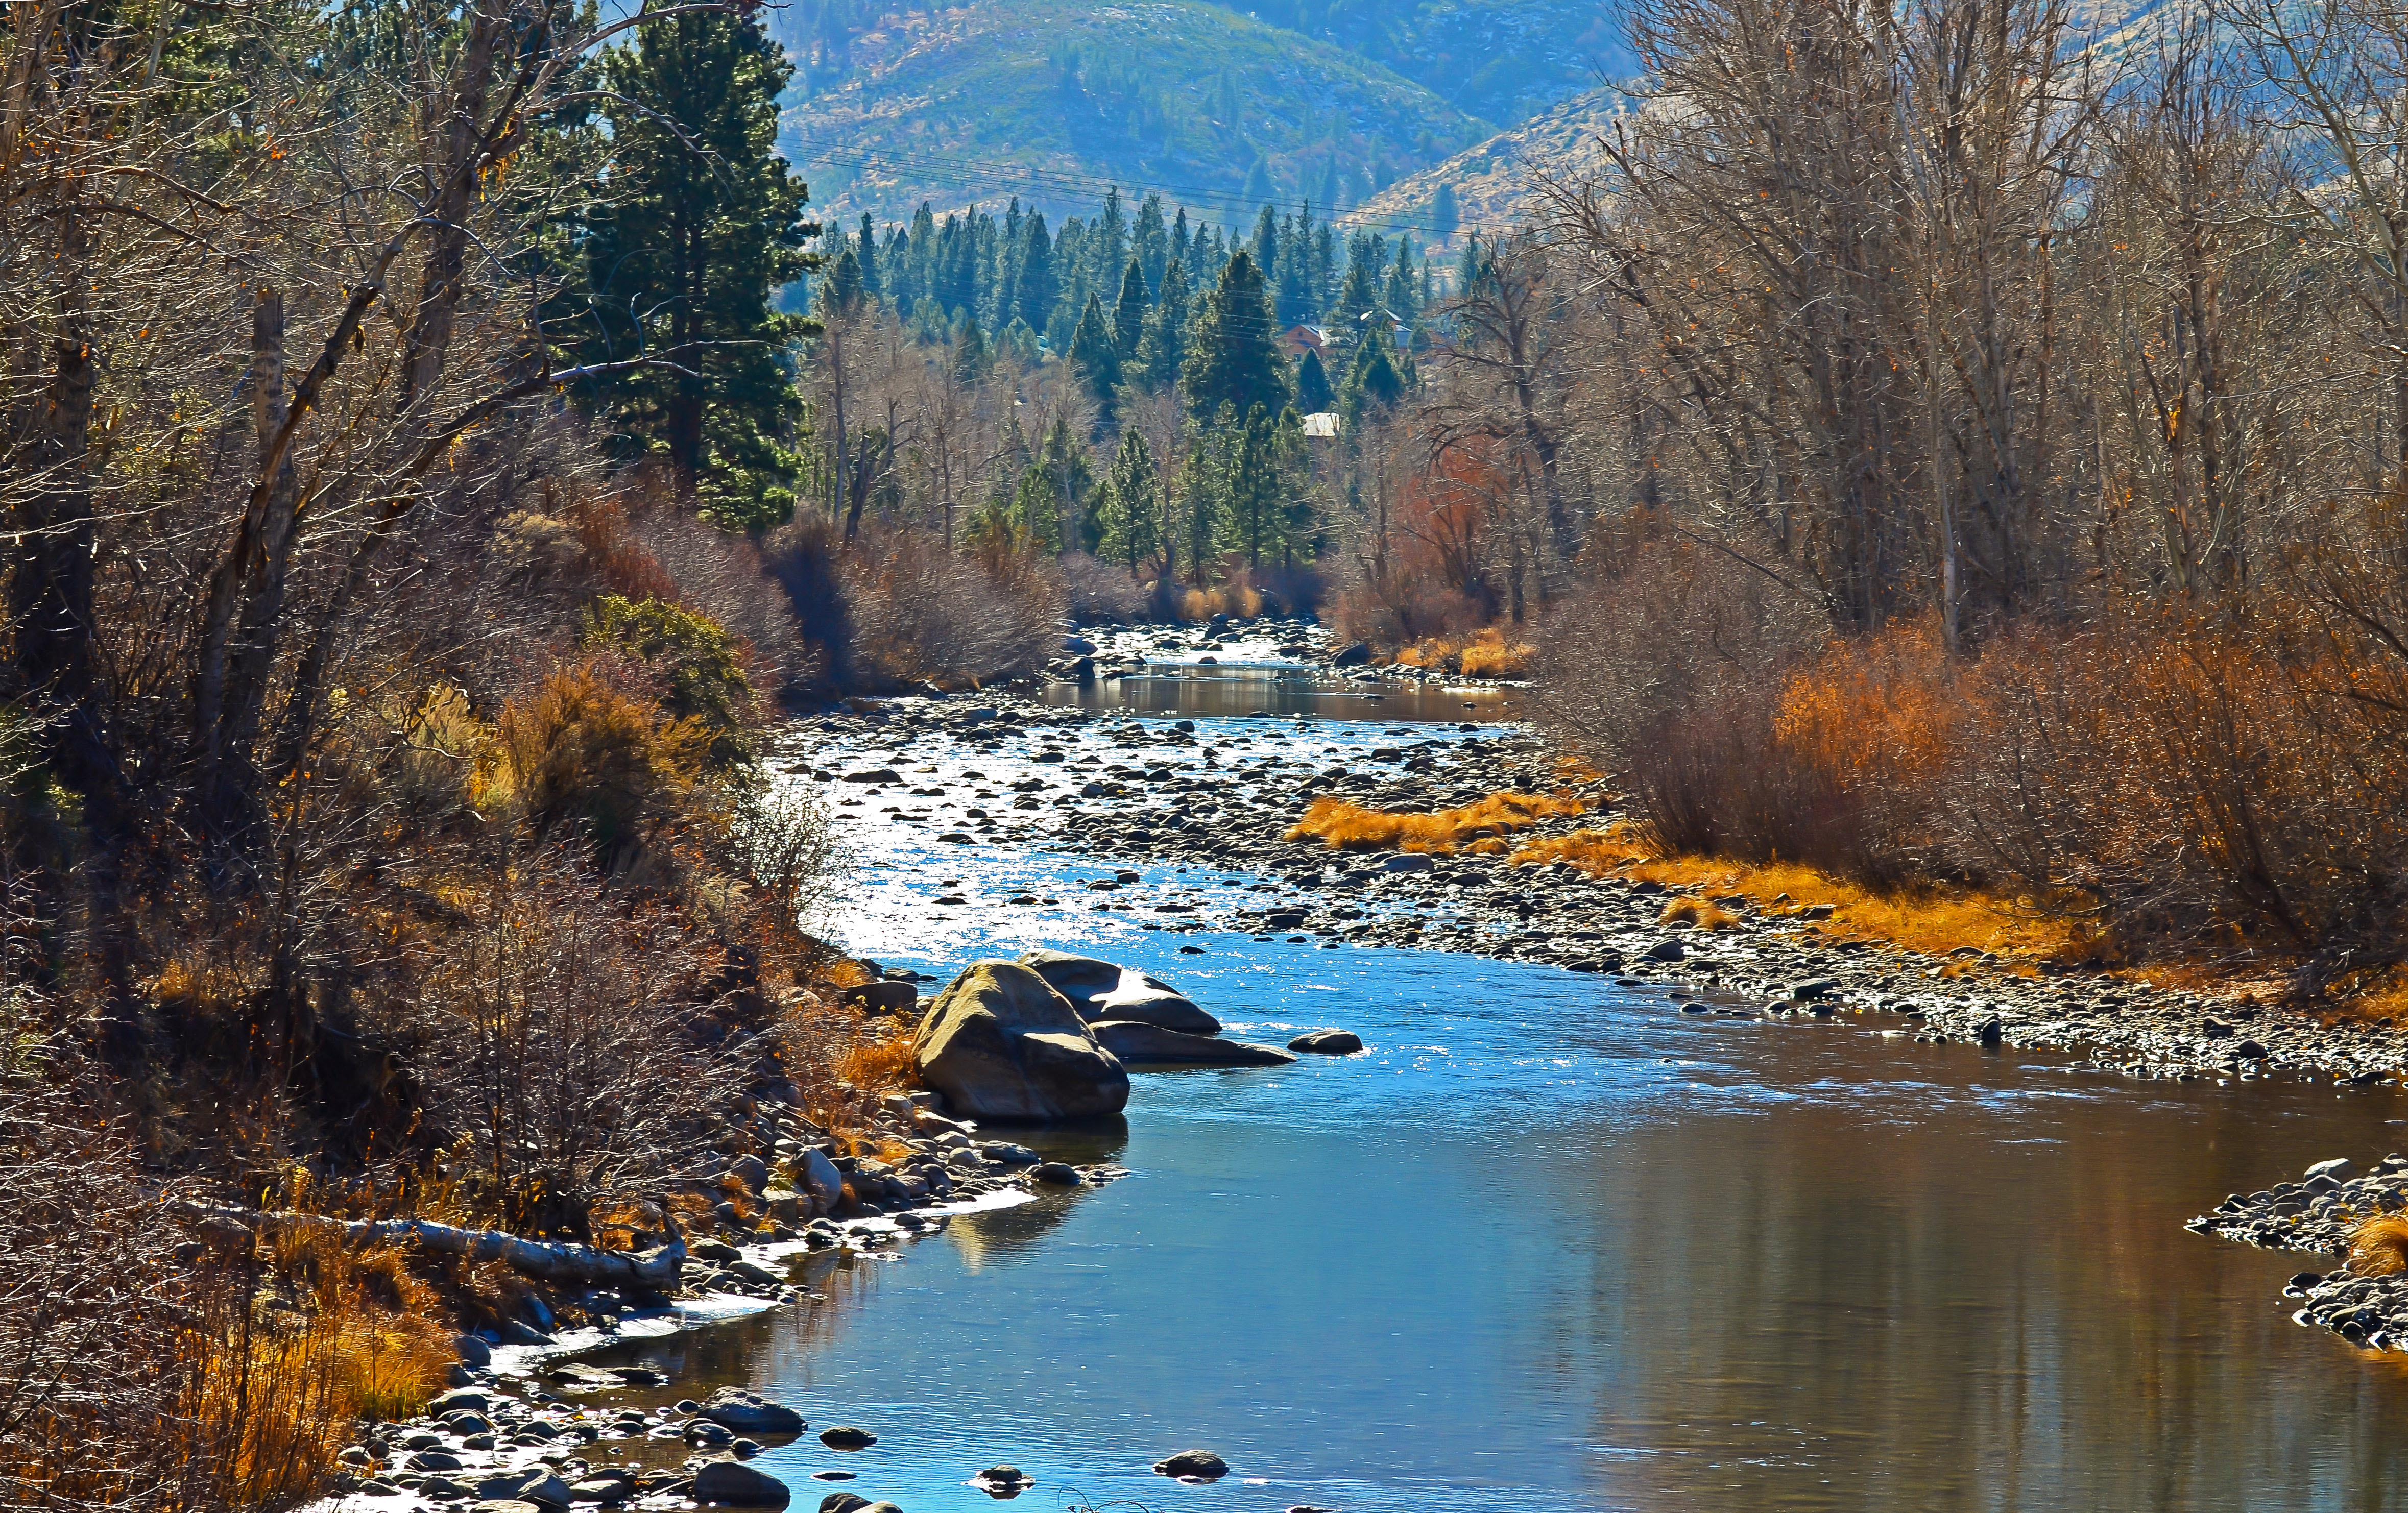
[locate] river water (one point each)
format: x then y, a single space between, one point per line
1549 1244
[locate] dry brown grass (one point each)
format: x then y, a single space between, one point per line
1933 920
1702 913
270 1392
1345 826
881 1065
1484 653
2379 1248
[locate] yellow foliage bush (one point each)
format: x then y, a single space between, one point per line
577 749
1351 827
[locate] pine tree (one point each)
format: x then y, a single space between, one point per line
1163 345
1402 295
1258 182
1360 292
1128 506
1253 490
685 261
1128 315
1095 358
1375 380
970 356
867 243
1444 217
1231 358
1034 288
1150 241
1312 394
845 291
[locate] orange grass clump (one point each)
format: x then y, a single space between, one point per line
1699 912
1933 920
1351 827
270 1396
875 1066
1484 653
2379 1248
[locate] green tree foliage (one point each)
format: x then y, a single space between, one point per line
696 659
1128 313
1445 217
1057 486
697 236
1312 394
1231 357
1128 506
1376 379
1265 482
1162 347
1095 357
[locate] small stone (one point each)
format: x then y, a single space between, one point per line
2339 1168
1192 1463
733 1407
1327 1042
1058 1174
844 1502
846 1437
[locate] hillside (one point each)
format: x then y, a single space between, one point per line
1502 61
1494 185
1051 101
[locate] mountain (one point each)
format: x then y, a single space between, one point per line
1051 101
1496 180
1502 61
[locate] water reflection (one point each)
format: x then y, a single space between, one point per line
1551 1246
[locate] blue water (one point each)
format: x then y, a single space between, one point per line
1548 1244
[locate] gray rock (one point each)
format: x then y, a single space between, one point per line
474 1351
1137 1044
466 1400
1055 1172
490 1505
432 1461
544 1489
734 1484
844 1502
1144 1000
817 1175
846 1437
1000 1042
1327 1042
2338 1168
1813 989
733 1407
604 1489
1354 654
749 1170
1408 862
882 997
1192 1463
1664 951
1078 978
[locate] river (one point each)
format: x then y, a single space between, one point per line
1550 1244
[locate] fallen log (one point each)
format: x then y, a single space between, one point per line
656 1269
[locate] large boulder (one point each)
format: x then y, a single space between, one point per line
1100 990
999 1043
734 1484
1143 1000
1082 979
1138 1044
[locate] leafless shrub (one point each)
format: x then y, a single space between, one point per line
569 1043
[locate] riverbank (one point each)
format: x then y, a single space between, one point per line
1122 790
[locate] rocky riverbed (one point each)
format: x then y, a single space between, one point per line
1003 771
